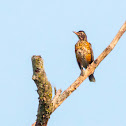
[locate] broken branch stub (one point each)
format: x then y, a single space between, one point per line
44 90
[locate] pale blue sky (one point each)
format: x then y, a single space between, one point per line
39 27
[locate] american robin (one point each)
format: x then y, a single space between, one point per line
84 53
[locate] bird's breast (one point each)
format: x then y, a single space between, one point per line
82 50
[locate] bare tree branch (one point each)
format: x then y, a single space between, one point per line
47 105
44 90
90 70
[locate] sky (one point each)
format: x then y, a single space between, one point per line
39 27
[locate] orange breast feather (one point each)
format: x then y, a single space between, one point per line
83 45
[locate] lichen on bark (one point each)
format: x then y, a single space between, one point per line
44 90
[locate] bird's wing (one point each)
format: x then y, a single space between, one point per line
92 55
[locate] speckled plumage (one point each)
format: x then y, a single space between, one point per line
84 53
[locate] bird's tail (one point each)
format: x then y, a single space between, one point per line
92 78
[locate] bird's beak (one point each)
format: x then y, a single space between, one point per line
75 33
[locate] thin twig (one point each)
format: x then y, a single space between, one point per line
55 90
56 97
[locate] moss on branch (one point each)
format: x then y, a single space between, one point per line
44 90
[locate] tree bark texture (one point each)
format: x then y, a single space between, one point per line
44 91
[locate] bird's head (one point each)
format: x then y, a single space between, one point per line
81 35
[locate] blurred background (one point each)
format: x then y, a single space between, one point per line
29 27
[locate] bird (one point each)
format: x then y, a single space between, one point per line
84 53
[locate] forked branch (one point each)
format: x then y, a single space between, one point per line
60 97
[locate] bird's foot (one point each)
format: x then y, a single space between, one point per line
82 73
88 65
